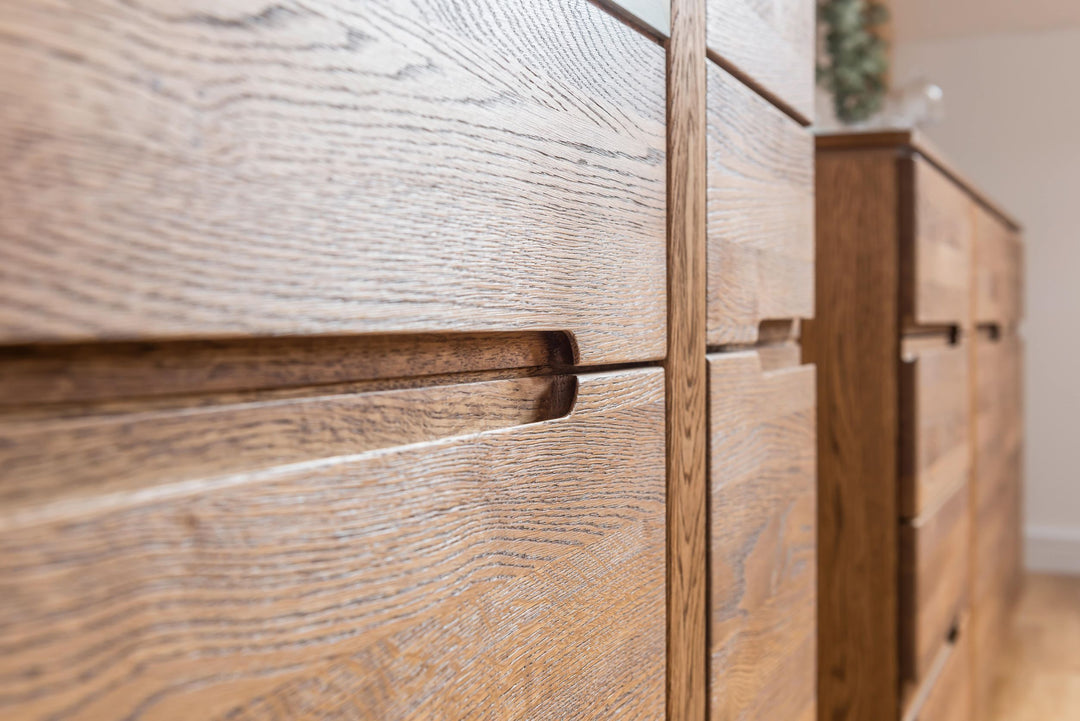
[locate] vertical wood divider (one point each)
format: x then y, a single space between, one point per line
972 336
685 366
854 338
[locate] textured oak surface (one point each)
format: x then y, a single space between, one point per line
686 373
195 169
516 572
762 458
761 213
935 428
74 457
770 43
936 247
934 570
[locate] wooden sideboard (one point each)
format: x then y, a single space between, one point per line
915 340
424 359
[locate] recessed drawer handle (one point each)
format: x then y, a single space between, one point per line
71 459
83 372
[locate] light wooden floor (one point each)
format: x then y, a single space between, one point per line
1039 676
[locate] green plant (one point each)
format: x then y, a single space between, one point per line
857 59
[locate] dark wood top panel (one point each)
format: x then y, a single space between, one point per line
914 141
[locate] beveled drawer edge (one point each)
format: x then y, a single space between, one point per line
911 708
757 88
428 415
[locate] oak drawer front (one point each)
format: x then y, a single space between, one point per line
998 428
998 270
935 248
510 572
998 402
762 457
998 536
950 697
935 416
760 213
933 582
771 42
995 472
333 170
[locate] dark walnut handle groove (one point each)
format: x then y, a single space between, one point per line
89 372
71 459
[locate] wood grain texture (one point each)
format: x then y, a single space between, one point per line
762 542
854 341
769 43
685 368
110 371
260 168
760 213
512 573
998 271
934 581
74 458
937 238
935 424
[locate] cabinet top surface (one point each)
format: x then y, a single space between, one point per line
915 141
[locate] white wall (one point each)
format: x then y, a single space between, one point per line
1012 107
918 20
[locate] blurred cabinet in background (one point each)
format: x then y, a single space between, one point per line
914 336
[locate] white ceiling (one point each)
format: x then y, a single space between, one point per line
916 20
